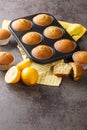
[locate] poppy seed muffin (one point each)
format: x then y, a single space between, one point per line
32 38
4 36
42 52
42 19
62 69
77 70
64 45
22 25
81 58
6 58
53 32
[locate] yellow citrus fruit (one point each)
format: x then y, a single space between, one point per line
23 64
12 75
29 76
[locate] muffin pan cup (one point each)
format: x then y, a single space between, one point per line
57 55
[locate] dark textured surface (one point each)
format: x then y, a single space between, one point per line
42 107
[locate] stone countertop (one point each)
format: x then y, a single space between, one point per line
42 107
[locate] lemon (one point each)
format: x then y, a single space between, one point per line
29 76
12 75
23 64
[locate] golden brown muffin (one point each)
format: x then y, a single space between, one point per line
42 19
64 45
6 58
42 52
4 34
53 32
78 70
21 25
32 38
80 57
62 70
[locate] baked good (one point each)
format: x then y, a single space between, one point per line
42 52
80 57
53 32
21 25
42 19
77 70
6 60
4 36
64 45
62 70
32 38
66 69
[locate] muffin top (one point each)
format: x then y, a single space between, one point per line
53 32
21 25
32 38
4 34
80 57
6 58
64 45
42 52
42 19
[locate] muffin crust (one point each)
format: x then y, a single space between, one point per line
21 25
64 45
42 52
53 32
32 38
42 19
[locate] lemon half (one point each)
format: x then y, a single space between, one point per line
12 75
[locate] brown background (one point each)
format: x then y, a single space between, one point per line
42 107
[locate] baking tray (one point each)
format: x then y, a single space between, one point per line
50 42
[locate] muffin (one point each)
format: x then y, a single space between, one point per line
53 32
6 60
77 70
81 58
64 45
21 25
42 52
62 69
32 38
66 69
4 36
42 19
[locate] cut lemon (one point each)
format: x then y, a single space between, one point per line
23 64
12 75
29 76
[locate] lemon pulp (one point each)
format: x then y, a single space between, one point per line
12 75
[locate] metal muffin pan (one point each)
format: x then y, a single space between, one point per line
57 55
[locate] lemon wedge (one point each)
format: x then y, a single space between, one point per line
23 64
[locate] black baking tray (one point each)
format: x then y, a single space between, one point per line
50 42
